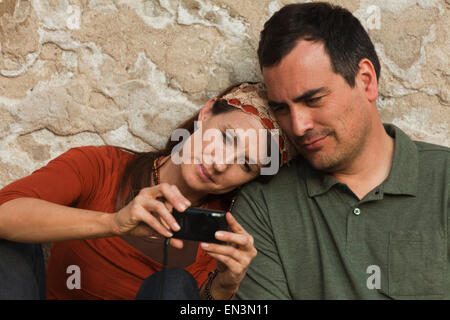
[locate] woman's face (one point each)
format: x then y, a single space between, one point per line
225 152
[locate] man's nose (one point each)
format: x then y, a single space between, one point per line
301 120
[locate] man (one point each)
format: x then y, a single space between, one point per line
363 212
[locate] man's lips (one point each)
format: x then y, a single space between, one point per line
203 173
314 143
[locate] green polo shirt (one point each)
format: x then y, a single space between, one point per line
317 240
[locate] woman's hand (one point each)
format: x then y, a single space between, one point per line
233 260
149 213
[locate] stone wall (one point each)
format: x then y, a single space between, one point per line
80 72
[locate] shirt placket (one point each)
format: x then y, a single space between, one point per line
357 214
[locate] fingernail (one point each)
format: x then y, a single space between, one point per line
188 203
176 226
169 234
219 234
182 206
204 245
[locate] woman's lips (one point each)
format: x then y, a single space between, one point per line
203 173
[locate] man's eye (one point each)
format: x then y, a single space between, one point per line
313 100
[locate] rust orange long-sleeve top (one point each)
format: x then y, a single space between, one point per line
88 178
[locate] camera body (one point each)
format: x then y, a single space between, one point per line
200 224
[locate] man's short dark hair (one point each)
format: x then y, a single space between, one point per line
345 40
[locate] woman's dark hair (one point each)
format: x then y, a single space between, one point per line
345 40
138 172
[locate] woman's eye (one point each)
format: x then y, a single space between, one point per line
279 108
227 138
247 167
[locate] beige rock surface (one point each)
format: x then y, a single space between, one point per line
94 72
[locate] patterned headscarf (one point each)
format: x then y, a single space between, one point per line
252 99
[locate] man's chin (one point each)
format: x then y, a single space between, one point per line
321 161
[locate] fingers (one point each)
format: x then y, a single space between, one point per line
234 225
242 241
239 254
172 197
238 236
232 265
152 207
168 206
143 215
170 193
176 243
183 202
242 255
157 210
143 230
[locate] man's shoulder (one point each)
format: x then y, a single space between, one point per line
430 152
430 147
426 151
286 178
434 163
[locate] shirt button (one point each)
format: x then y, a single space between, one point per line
356 211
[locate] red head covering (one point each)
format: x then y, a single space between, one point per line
252 99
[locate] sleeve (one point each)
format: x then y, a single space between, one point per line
265 278
64 180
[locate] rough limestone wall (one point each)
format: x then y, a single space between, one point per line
94 72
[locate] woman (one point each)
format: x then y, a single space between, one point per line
107 210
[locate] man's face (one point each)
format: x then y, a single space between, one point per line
326 119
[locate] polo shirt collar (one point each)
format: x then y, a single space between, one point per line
404 175
402 179
318 182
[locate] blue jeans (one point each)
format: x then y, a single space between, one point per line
169 284
22 271
22 277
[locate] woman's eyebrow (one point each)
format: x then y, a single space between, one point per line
274 104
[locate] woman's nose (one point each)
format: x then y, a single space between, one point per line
219 166
222 157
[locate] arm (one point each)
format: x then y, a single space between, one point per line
36 220
38 208
265 278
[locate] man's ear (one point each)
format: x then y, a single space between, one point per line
367 78
206 112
